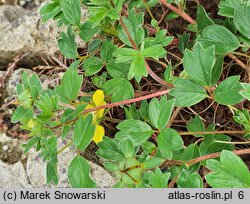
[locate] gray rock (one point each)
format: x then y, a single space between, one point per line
36 170
10 150
13 176
23 32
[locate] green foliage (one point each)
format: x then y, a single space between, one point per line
230 171
219 36
230 85
148 84
187 92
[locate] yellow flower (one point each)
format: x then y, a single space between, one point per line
97 100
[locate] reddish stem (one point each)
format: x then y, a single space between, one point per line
179 12
110 105
150 71
214 155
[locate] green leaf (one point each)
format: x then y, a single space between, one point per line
134 26
67 44
158 179
51 171
230 172
152 162
124 54
230 85
117 70
227 7
21 114
109 149
70 85
155 51
199 64
203 19
120 88
137 68
79 173
83 132
127 148
49 11
35 86
187 92
137 131
168 141
92 65
72 11
246 91
160 111
219 36
196 125
243 117
148 147
209 144
189 180
107 50
191 152
87 32
242 20
94 46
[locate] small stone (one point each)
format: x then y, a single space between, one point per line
5 148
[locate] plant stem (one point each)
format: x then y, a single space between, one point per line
65 147
181 13
148 9
214 132
151 73
125 102
226 142
213 156
110 105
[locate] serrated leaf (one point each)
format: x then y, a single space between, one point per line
160 111
137 131
70 85
187 92
229 172
168 141
137 68
72 11
67 44
191 152
196 125
49 11
107 50
155 51
229 85
246 92
189 180
92 65
83 132
203 20
109 149
127 148
120 88
199 64
79 173
117 70
219 36
21 113
124 54
158 179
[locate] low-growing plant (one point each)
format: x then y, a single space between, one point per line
140 85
